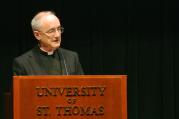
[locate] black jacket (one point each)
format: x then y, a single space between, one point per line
29 63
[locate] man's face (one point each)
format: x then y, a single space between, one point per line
49 34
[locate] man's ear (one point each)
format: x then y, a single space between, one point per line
37 35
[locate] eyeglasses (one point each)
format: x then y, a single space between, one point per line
52 31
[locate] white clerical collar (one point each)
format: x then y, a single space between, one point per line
48 53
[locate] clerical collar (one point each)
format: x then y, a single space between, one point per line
50 53
45 52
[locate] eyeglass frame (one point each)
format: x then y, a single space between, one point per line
52 31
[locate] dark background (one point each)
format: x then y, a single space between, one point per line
134 37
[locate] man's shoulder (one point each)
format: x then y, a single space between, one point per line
30 53
25 55
67 51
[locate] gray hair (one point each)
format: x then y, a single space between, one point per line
36 21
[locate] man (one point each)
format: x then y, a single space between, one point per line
47 58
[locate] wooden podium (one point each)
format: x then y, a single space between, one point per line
70 97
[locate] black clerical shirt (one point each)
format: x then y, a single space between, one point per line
51 63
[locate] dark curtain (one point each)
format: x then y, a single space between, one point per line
133 37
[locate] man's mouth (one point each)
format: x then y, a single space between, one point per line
56 41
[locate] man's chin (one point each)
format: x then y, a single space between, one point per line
56 46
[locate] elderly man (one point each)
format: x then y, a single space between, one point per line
47 58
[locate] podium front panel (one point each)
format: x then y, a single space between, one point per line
70 97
